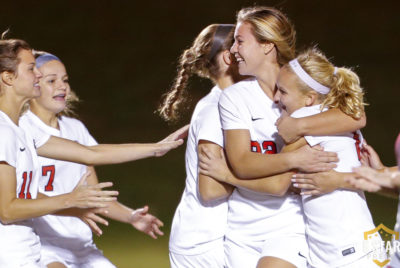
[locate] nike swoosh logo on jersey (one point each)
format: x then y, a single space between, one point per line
255 118
301 255
22 149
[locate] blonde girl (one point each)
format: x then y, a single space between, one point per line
67 241
306 86
19 83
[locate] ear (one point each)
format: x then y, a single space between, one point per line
311 98
227 57
7 78
268 46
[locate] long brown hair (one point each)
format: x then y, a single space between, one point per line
199 59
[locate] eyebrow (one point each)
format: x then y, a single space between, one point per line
50 75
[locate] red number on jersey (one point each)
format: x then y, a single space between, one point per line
46 169
22 194
255 147
358 143
269 147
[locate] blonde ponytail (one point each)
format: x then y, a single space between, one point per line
345 92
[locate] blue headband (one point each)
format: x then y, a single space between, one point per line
46 57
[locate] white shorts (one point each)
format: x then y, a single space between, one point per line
291 248
239 255
94 259
214 258
363 262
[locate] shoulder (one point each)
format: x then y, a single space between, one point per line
306 111
7 132
240 88
71 122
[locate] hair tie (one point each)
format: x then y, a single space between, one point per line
220 35
46 57
306 78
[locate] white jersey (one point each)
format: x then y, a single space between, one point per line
19 244
336 222
69 236
256 216
199 227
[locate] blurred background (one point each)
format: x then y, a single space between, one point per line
121 56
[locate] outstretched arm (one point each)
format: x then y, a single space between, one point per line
140 219
322 124
62 149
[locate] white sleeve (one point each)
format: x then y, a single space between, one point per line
208 126
87 139
39 136
8 147
229 110
304 112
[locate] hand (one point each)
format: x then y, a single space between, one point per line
314 159
363 184
214 166
90 196
90 217
317 183
288 128
370 158
172 141
388 179
146 223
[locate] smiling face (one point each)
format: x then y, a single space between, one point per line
26 77
250 54
288 95
54 86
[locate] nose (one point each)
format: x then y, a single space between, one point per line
234 48
37 73
277 96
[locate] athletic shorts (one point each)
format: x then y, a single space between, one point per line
291 248
94 259
214 258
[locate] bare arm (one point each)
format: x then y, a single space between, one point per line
246 164
211 189
14 209
322 124
62 149
140 219
214 164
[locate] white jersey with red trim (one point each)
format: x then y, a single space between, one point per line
256 216
336 222
19 245
70 236
199 227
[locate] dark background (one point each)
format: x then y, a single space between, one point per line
121 56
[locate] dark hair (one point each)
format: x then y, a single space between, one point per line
199 59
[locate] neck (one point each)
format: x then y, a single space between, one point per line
12 106
267 78
48 117
224 81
